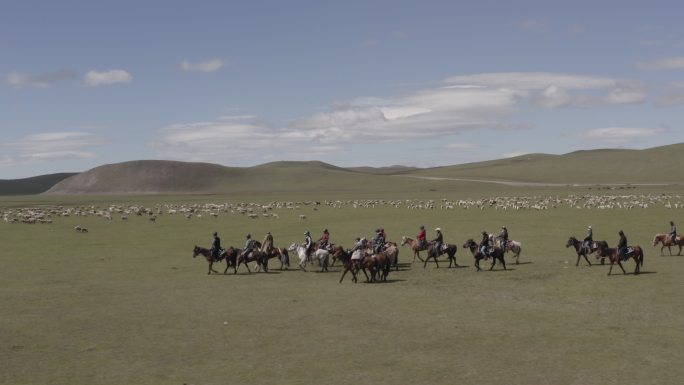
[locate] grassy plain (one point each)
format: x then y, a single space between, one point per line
126 303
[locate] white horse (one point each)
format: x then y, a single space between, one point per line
321 255
514 246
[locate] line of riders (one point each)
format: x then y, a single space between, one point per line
362 247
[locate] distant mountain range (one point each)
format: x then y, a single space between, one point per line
607 166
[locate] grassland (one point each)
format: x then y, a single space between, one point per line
126 303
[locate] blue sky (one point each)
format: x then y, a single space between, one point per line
85 83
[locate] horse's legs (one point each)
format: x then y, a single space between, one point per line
493 263
346 269
621 268
578 259
611 266
636 269
587 259
477 264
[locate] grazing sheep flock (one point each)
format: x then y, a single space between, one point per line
45 215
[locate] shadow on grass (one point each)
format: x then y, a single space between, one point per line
523 263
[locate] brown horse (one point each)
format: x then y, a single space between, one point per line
349 266
614 256
580 248
378 265
666 240
255 255
228 254
415 246
392 252
450 251
496 253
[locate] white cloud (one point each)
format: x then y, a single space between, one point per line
53 145
551 90
205 66
513 154
105 78
20 79
619 135
669 63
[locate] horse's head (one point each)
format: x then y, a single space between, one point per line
404 240
571 242
657 239
469 244
293 247
196 251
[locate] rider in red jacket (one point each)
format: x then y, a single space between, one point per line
422 237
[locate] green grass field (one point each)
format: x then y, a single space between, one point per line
126 303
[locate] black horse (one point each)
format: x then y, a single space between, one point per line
450 251
495 253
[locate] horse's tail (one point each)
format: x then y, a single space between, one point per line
641 257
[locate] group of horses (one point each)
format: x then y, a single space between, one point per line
496 252
374 264
602 251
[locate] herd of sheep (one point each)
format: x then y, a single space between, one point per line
46 214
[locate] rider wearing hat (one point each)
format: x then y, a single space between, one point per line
308 243
215 247
422 238
379 241
268 243
439 240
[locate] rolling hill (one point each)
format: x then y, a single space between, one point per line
606 166
33 185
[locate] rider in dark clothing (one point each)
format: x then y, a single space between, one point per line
249 245
379 241
439 241
673 232
216 247
622 246
484 244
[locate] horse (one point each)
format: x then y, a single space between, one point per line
255 255
280 253
633 252
377 264
496 253
415 246
348 263
392 252
511 245
667 241
580 248
449 249
229 255
322 255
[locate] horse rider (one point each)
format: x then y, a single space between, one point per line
422 238
379 241
622 246
324 239
308 243
484 244
216 247
249 245
267 246
673 232
384 234
589 239
356 251
503 235
439 241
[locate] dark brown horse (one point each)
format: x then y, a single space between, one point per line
378 265
348 265
229 254
581 249
450 251
496 253
613 255
255 255
666 240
